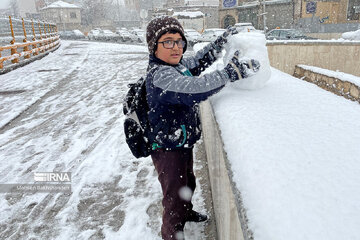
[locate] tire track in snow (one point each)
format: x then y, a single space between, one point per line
63 80
47 207
50 93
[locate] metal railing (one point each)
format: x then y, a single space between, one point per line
24 39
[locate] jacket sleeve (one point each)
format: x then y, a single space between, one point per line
202 60
176 88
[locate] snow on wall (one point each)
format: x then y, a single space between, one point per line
341 84
354 35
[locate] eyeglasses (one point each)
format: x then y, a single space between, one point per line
169 44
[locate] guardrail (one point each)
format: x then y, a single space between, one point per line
44 39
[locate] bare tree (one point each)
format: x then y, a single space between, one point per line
92 11
14 7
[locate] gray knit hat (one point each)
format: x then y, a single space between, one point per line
159 26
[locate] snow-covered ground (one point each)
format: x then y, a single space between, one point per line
294 150
66 116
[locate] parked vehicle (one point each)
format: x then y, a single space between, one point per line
125 35
94 34
72 35
108 35
192 36
210 34
286 34
244 27
140 35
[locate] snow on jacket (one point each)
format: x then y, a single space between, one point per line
173 92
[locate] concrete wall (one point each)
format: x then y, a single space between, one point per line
230 216
341 56
324 36
65 18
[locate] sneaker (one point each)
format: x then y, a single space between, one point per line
196 217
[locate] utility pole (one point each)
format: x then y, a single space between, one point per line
264 16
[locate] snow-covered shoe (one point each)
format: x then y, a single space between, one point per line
196 217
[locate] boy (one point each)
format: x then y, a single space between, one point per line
173 90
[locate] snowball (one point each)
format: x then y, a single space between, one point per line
185 193
199 46
179 235
252 45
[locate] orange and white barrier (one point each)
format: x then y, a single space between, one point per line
46 40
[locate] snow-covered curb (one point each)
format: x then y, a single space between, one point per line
230 215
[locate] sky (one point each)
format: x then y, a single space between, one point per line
4 4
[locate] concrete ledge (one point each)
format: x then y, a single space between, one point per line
339 87
230 215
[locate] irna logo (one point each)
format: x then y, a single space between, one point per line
52 177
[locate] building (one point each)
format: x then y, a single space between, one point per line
331 11
209 9
278 13
192 20
328 17
66 16
43 3
312 16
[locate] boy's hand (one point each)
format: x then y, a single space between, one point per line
241 68
222 39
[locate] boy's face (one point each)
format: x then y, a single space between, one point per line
172 55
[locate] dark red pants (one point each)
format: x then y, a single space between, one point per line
177 179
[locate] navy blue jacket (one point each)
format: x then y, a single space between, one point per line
173 92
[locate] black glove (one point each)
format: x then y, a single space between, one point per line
222 39
241 68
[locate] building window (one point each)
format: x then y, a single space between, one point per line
72 15
353 12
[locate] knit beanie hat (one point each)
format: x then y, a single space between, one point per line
159 26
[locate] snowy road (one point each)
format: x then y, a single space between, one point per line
63 113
